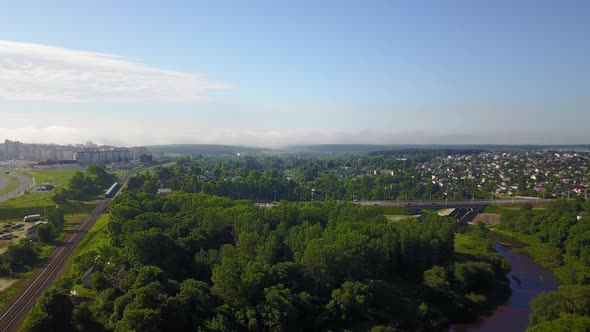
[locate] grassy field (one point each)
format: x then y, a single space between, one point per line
467 245
39 203
512 207
12 183
393 210
96 237
398 217
57 177
151 168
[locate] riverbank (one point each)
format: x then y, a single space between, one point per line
542 253
527 280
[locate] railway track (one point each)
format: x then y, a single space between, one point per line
16 309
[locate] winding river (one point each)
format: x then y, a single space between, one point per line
527 280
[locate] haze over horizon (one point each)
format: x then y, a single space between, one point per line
271 74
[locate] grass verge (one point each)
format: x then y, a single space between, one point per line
12 184
96 237
542 253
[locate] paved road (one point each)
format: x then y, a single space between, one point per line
4 181
24 183
453 203
439 203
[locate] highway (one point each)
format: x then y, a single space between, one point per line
24 183
13 313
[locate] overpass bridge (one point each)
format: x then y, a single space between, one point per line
464 211
442 204
438 204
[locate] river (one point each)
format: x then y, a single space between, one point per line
527 280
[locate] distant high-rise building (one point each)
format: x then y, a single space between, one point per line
103 156
137 151
13 149
85 154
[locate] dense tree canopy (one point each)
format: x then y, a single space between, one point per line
293 178
85 185
199 261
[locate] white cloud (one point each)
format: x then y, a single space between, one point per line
33 72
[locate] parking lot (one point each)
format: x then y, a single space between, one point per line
12 232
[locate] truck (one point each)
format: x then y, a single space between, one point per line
32 217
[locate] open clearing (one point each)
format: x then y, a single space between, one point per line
486 218
57 177
6 283
96 237
40 203
398 217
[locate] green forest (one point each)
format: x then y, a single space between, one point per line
201 262
207 258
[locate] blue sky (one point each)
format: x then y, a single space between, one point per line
273 73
